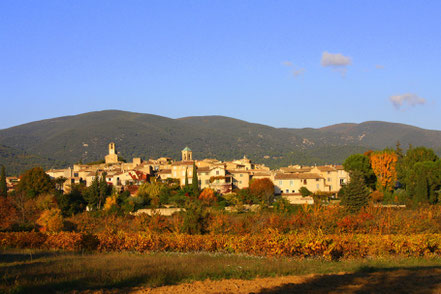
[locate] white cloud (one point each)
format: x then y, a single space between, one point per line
410 99
298 72
335 60
379 66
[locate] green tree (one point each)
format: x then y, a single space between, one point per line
355 194
104 190
73 202
3 186
304 191
360 162
195 181
35 182
93 193
406 164
424 182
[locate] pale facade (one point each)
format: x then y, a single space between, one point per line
291 183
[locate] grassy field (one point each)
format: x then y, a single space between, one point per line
51 271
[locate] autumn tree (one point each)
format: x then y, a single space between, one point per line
263 189
355 194
3 186
207 196
51 220
8 214
360 162
384 166
35 182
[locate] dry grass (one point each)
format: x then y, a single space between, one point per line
48 271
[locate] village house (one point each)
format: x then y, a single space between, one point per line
222 177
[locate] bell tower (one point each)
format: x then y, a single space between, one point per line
187 154
112 157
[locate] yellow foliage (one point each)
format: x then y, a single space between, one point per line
51 220
110 201
384 166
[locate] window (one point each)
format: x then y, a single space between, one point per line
240 182
291 183
305 182
329 179
318 186
217 173
280 183
317 180
241 175
293 191
342 181
207 182
287 191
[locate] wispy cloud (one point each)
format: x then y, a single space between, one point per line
296 71
409 99
379 66
336 61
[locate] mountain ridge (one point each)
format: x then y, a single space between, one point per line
60 141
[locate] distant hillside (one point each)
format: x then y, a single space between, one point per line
65 140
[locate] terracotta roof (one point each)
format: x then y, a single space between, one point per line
297 176
295 170
262 174
188 162
204 169
164 171
326 168
238 171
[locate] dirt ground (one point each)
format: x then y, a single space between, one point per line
416 280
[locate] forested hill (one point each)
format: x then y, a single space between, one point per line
65 140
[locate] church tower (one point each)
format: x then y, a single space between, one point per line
112 157
187 154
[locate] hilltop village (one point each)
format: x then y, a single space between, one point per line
220 176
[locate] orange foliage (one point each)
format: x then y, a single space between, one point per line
377 196
263 189
8 214
268 243
51 220
110 202
207 196
384 166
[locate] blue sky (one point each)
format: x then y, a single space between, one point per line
260 61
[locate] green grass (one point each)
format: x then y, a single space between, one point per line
49 271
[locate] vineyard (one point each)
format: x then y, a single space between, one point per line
310 232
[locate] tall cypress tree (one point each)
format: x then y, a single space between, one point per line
103 190
3 186
356 193
93 192
195 181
